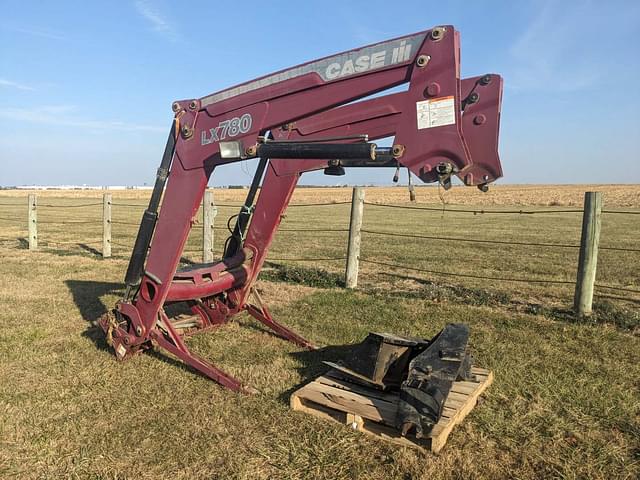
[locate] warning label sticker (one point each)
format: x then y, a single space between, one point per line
436 112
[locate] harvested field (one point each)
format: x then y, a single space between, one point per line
531 195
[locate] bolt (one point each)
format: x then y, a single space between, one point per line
397 150
138 330
187 131
193 105
433 89
444 168
423 60
485 80
473 98
437 34
175 106
251 151
479 119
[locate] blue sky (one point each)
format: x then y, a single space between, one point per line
86 87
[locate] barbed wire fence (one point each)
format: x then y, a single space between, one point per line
355 231
589 247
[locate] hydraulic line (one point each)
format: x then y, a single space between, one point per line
149 219
234 242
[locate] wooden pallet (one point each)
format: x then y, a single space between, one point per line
372 411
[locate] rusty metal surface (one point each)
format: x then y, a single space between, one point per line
421 371
381 360
430 377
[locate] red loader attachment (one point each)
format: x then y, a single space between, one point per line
297 120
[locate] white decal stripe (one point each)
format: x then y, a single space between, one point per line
342 65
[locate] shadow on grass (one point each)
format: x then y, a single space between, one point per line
90 249
86 296
72 250
163 356
618 297
604 313
438 291
311 365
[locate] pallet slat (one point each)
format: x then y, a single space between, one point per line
374 411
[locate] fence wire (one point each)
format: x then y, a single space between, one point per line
501 279
317 259
69 222
240 205
293 205
472 240
118 204
78 243
468 275
474 211
499 242
49 205
443 209
615 287
621 212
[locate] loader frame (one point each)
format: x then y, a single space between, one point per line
322 114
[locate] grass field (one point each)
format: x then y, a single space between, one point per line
565 402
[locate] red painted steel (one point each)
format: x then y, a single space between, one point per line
303 103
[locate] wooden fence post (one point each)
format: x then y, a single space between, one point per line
106 225
353 249
209 212
588 259
33 222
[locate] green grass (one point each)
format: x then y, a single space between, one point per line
565 402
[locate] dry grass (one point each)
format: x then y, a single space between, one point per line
565 402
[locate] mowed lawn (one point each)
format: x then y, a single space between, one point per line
565 401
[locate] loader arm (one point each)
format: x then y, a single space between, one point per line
296 120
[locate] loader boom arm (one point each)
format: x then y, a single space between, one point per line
296 120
